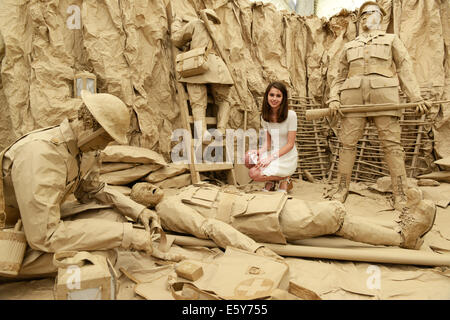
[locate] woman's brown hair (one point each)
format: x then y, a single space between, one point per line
284 107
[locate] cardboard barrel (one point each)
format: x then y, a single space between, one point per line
12 250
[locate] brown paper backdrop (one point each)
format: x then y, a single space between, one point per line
126 44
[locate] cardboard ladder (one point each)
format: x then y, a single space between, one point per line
196 168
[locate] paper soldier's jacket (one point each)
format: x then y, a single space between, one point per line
370 70
40 170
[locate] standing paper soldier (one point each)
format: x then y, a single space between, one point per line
371 68
189 33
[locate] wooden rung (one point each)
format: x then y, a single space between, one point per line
209 120
201 167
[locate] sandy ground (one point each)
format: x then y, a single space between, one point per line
330 279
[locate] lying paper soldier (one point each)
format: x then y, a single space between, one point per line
240 219
371 68
45 166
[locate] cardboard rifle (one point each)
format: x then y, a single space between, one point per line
320 113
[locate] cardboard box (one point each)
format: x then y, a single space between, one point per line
189 270
86 277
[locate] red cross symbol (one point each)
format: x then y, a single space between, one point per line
254 287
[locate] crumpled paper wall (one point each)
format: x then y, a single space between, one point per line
127 45
424 28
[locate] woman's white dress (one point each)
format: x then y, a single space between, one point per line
285 165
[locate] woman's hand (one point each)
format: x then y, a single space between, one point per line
264 162
253 157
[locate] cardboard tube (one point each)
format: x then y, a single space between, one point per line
377 255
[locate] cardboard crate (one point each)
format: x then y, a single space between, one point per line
84 276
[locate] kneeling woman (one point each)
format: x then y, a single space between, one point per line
276 160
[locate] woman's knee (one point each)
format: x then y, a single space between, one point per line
252 173
255 174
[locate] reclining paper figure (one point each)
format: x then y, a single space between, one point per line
240 219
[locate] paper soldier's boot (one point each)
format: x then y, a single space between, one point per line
346 161
416 220
223 115
396 164
199 115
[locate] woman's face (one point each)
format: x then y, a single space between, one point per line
274 98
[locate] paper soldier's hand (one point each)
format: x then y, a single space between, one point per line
146 217
423 107
142 241
167 256
335 108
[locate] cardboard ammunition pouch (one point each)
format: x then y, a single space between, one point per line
350 91
381 48
210 202
204 197
384 90
193 62
379 62
355 53
380 83
257 216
